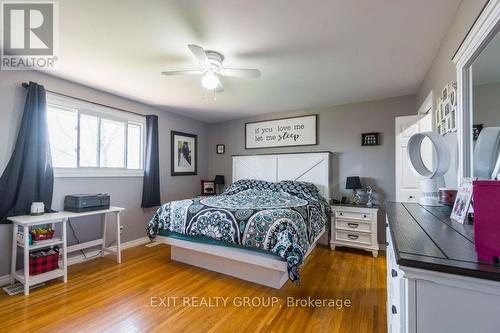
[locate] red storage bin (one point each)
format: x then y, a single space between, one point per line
486 199
41 264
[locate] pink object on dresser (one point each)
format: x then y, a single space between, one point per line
486 199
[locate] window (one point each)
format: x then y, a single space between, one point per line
93 140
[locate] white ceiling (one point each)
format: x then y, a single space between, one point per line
311 53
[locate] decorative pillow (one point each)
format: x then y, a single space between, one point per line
298 187
306 191
303 190
246 184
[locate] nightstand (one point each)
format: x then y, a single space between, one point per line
354 226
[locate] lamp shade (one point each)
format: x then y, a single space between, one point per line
219 180
353 183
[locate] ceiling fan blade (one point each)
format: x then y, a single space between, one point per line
240 72
189 71
199 54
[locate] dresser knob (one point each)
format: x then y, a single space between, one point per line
394 310
353 225
394 273
353 236
364 216
341 214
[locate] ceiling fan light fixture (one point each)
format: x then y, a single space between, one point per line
210 81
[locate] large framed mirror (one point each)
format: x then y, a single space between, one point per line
478 97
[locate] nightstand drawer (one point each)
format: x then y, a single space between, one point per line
360 216
353 237
349 225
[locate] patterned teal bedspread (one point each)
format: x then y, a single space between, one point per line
282 218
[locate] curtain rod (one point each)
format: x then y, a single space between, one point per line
25 85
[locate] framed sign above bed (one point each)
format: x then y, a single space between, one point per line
183 154
284 132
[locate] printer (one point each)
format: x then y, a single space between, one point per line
78 203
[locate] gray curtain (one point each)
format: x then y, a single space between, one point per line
151 181
29 176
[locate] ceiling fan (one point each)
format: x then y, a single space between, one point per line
211 69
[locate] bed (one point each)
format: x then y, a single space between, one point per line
261 228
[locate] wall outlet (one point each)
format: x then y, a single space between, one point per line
121 229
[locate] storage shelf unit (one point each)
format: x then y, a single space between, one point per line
39 278
44 244
26 221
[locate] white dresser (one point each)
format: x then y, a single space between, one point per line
435 284
354 226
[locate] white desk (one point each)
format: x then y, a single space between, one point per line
27 221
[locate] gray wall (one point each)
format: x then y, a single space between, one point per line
486 108
340 129
442 70
125 192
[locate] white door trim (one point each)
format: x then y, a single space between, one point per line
427 105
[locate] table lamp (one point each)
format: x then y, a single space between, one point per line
219 180
353 183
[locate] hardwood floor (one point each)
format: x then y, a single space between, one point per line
103 296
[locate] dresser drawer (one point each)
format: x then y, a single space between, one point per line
350 225
353 237
354 226
349 215
396 289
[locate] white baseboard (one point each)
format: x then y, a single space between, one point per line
5 279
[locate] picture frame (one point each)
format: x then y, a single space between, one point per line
444 94
462 201
446 110
453 97
453 121
220 149
438 113
370 139
282 132
208 187
183 154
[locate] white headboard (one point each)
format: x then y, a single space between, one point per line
308 167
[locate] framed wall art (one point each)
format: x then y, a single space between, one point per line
446 110
284 132
220 149
370 139
208 187
184 152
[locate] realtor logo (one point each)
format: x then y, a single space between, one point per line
29 35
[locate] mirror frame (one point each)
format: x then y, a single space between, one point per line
482 32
